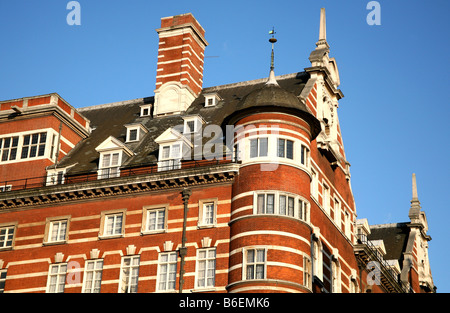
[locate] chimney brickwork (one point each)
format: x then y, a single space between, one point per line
181 52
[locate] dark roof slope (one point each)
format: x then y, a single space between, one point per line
395 237
109 120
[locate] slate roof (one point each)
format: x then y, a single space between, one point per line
395 237
109 120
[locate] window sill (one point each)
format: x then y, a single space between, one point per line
102 237
152 232
54 243
201 226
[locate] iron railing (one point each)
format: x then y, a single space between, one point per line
143 169
385 268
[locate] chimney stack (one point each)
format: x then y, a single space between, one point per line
179 74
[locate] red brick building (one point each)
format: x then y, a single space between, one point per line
234 188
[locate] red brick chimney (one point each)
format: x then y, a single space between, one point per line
181 52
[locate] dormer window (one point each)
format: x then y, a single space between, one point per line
172 147
135 132
110 165
211 99
170 158
112 154
192 124
145 110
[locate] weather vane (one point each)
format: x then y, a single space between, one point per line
272 41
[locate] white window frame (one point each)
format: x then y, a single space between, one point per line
337 212
307 272
7 151
173 160
300 213
203 211
317 259
335 277
5 188
162 264
255 263
128 274
92 276
285 148
110 170
326 198
158 209
30 145
347 223
50 225
104 223
50 132
60 276
3 274
129 130
197 124
314 184
211 99
259 152
204 265
144 108
9 235
304 155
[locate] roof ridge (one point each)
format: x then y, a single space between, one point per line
250 82
112 104
388 225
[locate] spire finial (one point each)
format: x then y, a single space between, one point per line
322 43
414 187
272 40
414 211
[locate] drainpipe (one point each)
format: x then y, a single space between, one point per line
186 193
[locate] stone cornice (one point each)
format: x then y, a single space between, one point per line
49 195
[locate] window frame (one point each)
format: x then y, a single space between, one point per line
285 150
207 259
202 212
299 213
49 224
145 107
130 268
317 259
11 147
336 280
314 184
31 145
59 275
304 155
174 161
326 197
307 272
3 275
94 271
337 207
145 216
7 227
103 169
245 263
167 272
258 146
103 223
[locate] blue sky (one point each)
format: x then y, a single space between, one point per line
394 77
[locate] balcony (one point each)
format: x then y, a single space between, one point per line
67 179
365 252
